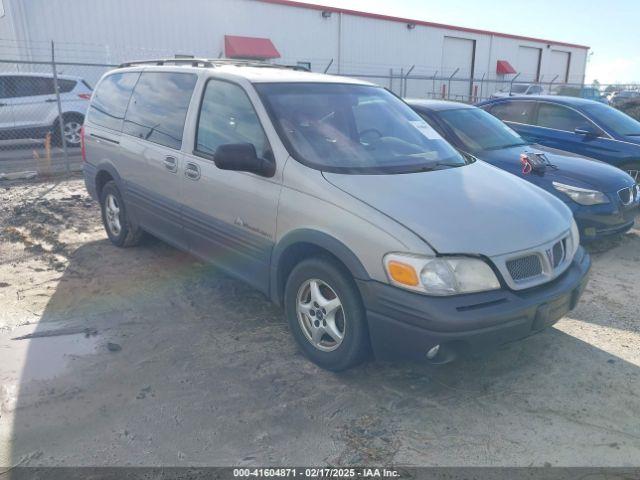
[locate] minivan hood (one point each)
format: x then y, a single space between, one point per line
474 209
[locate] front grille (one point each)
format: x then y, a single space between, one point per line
558 253
524 268
626 195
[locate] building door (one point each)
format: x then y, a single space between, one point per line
559 65
458 56
528 64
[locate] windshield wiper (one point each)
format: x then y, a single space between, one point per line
500 147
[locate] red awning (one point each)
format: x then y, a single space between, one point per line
505 68
249 47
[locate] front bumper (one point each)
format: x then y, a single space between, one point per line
598 221
406 324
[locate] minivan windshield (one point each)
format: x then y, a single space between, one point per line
354 129
612 119
478 130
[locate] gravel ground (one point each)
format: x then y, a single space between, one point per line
146 356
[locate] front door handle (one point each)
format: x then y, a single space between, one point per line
192 171
171 164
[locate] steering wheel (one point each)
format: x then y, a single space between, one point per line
370 131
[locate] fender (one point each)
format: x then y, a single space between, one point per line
319 239
107 166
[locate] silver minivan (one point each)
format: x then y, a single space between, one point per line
337 201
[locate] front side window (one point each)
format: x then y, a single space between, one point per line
158 107
354 129
513 111
227 117
560 118
613 119
110 100
477 130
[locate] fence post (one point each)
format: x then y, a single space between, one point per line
433 87
450 78
406 79
513 80
59 102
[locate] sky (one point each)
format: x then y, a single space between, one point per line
611 29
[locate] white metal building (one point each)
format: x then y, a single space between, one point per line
362 44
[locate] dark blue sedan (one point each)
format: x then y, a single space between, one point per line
575 125
604 199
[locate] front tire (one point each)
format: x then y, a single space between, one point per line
325 313
116 222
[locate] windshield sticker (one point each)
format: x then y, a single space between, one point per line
425 129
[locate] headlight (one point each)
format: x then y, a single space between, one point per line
440 275
583 196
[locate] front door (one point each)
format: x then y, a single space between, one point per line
556 127
229 217
6 108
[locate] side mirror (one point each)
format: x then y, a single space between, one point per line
587 132
242 157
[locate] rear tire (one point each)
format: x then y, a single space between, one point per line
72 123
117 224
325 313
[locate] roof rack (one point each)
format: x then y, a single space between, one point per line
194 62
211 63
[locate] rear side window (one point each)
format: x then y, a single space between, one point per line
158 107
65 86
519 112
227 116
111 98
560 118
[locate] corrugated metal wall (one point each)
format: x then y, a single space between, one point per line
118 30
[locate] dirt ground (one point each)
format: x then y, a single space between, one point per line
146 356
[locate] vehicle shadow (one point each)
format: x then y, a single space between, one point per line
146 356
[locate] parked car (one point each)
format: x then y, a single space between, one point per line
29 109
590 93
621 98
575 125
334 199
519 89
604 200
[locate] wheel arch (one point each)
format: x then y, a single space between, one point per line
106 172
305 243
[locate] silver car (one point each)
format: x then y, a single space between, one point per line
337 201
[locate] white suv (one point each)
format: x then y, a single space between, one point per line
28 106
519 89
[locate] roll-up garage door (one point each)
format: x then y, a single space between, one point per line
528 64
559 65
458 54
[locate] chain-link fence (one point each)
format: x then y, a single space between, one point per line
44 96
42 108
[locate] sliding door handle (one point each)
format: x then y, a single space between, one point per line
192 171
